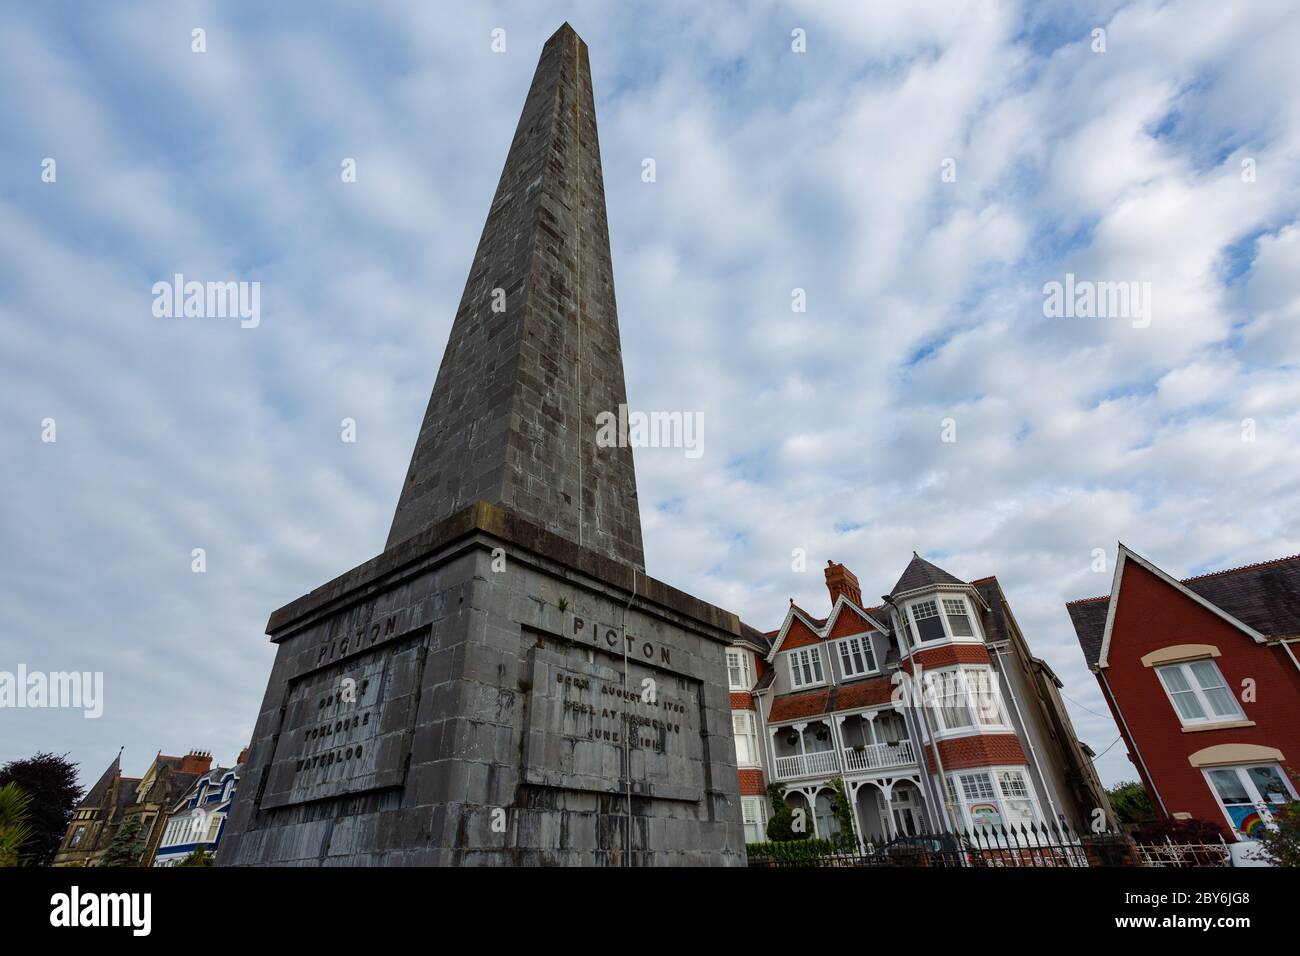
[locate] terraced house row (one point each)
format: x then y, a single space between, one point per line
929 706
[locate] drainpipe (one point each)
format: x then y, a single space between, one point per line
942 795
1129 739
1029 739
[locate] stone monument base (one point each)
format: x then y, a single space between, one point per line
487 692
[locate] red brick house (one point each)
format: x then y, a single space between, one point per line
928 707
1203 678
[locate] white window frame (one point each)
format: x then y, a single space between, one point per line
1208 715
999 795
745 666
941 602
750 733
1252 791
810 656
968 678
753 812
844 654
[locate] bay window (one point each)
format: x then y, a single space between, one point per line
993 797
753 812
965 698
742 726
939 619
739 670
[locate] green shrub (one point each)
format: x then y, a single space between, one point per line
791 851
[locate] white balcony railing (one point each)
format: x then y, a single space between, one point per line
804 765
879 756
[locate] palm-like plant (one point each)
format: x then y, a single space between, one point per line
14 829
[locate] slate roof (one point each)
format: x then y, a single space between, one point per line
995 618
920 573
95 796
1263 596
1089 619
759 639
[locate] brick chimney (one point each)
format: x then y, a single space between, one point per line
242 758
840 580
196 761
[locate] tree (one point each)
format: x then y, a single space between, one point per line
127 845
1131 803
15 831
1279 843
200 857
780 826
51 783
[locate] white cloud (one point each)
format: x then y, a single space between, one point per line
776 171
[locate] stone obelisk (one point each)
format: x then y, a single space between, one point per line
504 684
534 349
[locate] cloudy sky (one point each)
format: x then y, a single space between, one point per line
1171 158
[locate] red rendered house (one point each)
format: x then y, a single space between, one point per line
1203 677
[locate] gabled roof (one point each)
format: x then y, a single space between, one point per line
1261 600
95 796
821 627
920 573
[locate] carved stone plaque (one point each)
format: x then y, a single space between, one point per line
586 726
347 726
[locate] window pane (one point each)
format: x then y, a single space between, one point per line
955 610
977 786
929 626
735 671
816 663
1184 698
1222 702
1216 691
985 695
852 660
1013 783
1207 675
1268 781
953 710
1229 786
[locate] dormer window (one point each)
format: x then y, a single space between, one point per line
806 667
